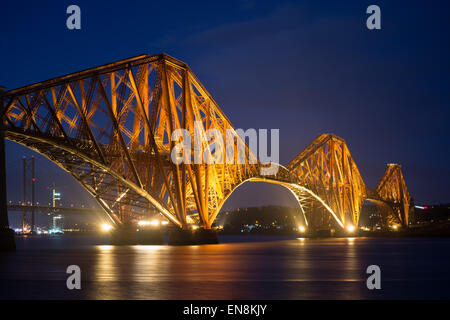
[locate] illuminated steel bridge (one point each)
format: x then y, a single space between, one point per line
110 128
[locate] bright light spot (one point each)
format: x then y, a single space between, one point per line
301 229
350 228
105 247
194 227
394 227
122 195
189 219
165 223
149 223
148 248
106 227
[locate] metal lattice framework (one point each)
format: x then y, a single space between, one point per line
392 196
110 127
327 168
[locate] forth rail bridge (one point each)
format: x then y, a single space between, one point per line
109 128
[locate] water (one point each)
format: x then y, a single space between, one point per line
238 268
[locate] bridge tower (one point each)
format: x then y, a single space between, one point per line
29 179
392 190
327 168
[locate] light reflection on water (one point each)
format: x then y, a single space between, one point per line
289 269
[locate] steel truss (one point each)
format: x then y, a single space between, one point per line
110 127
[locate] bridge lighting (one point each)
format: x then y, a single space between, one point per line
301 229
122 195
319 163
106 227
154 223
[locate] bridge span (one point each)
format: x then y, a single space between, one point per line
110 128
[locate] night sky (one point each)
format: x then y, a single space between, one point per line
306 68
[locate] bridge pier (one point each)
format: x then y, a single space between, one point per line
7 241
123 236
150 236
323 233
184 237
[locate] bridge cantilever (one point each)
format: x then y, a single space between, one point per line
111 128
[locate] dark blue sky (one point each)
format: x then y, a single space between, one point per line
305 67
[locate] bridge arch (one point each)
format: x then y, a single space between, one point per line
67 158
302 195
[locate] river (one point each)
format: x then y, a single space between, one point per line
240 267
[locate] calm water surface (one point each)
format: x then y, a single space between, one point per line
238 268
